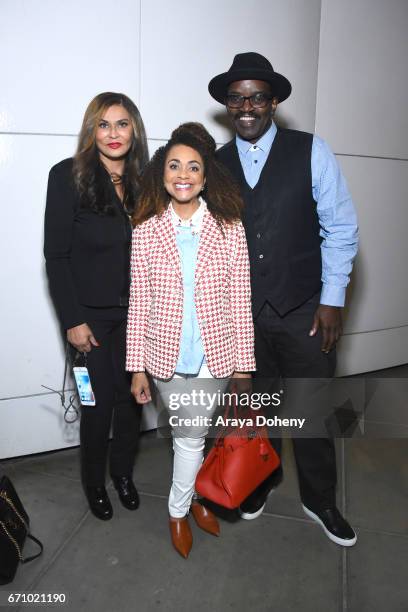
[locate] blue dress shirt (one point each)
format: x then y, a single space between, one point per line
191 355
335 210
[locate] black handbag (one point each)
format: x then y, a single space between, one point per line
14 529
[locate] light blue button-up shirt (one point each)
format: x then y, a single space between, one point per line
191 355
337 216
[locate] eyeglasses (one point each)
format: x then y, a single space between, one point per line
257 100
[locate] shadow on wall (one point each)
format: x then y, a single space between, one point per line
355 290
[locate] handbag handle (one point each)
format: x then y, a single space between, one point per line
232 403
28 559
219 440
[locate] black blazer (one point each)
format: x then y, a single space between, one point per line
87 254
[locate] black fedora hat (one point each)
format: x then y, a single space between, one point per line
249 66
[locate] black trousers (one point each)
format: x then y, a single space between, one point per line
285 352
114 403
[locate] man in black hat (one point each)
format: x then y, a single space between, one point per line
302 237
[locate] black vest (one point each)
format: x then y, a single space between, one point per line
281 223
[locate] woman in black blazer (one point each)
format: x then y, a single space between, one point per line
87 246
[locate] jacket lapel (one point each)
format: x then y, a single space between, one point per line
165 233
209 243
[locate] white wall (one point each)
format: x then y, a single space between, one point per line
346 64
361 111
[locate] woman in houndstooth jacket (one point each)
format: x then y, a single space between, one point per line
190 322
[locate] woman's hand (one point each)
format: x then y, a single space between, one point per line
140 388
81 338
241 382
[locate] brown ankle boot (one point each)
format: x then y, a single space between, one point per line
181 535
205 518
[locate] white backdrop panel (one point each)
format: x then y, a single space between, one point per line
29 327
153 145
36 424
379 291
182 50
60 55
33 425
372 351
363 77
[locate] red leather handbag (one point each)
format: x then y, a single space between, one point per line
241 458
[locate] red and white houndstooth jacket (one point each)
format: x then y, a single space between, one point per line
222 298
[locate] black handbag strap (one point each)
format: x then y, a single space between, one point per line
28 559
24 522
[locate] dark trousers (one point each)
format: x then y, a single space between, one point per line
285 352
114 403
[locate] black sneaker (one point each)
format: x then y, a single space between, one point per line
334 525
254 505
249 513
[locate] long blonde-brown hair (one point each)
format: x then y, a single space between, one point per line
89 173
220 191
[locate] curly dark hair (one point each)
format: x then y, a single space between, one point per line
89 173
221 193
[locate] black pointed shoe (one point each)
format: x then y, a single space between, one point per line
126 491
99 502
334 525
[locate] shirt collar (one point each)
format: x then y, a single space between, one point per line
264 143
195 220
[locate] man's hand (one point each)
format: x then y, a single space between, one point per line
241 382
328 319
140 388
81 337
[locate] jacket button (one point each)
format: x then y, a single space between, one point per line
258 235
261 256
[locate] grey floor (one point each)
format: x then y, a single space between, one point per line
280 562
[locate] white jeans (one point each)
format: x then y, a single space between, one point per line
188 441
